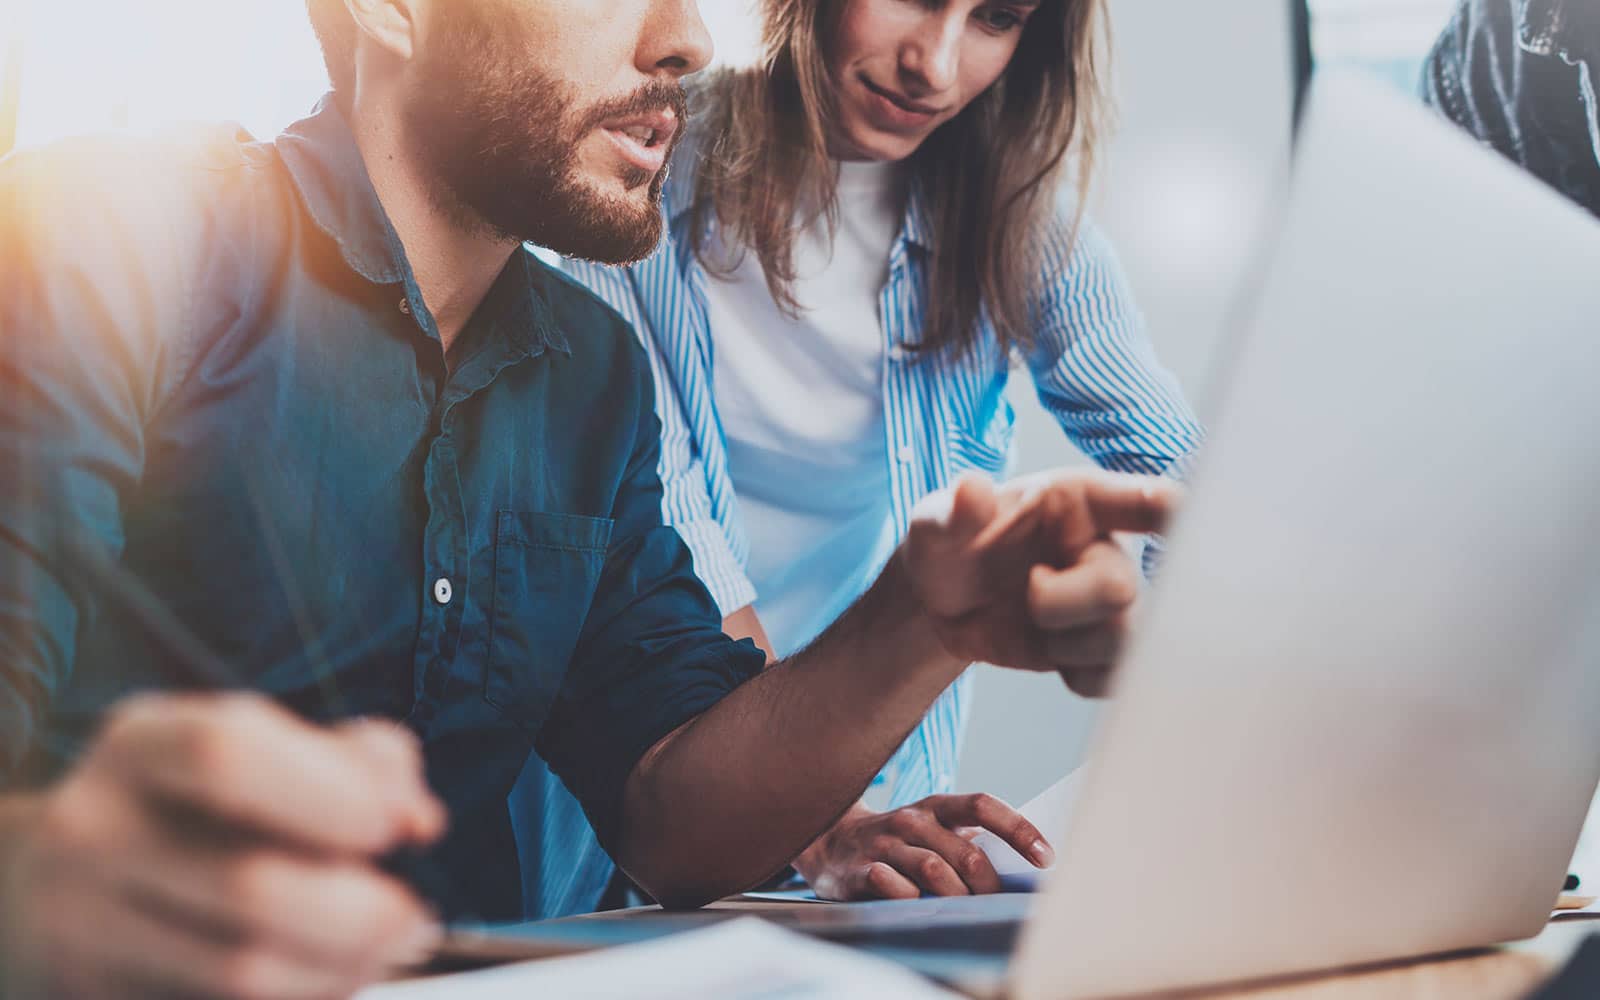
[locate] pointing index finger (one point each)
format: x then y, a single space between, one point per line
1140 504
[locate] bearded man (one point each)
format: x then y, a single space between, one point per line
318 399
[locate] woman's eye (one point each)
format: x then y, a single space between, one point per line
999 20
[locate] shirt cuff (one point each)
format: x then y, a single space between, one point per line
717 567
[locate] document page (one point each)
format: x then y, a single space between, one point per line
744 959
1049 811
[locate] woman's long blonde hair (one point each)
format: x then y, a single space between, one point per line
990 176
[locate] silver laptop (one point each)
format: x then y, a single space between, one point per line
1361 718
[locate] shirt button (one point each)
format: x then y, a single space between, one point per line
405 307
906 454
898 353
442 591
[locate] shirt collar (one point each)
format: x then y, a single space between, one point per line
322 158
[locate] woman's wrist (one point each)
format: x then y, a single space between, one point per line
813 861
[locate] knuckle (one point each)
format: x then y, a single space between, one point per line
931 866
986 807
903 822
972 862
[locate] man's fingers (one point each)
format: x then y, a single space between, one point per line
1139 504
1077 508
392 749
249 763
261 897
997 817
1091 647
943 542
1100 585
150 957
879 880
960 512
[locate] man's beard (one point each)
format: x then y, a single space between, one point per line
499 140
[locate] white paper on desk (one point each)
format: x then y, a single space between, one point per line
1049 811
745 959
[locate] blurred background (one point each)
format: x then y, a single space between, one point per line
1204 91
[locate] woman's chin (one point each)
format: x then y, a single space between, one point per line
876 145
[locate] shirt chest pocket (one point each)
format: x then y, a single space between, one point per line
546 569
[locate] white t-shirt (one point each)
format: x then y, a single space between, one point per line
801 405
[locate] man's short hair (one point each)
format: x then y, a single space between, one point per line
336 33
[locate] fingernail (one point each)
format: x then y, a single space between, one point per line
1043 854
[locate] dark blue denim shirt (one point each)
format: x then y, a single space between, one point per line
215 361
1521 75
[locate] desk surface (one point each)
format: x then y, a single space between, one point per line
1507 973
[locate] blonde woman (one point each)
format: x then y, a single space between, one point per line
862 234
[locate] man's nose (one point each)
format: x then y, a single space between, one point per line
931 54
674 40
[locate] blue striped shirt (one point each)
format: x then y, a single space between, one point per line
1092 365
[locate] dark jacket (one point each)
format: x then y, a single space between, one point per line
1521 76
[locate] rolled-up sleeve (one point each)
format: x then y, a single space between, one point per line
89 300
652 655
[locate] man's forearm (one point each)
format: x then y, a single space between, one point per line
734 795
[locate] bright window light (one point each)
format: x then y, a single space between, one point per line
97 65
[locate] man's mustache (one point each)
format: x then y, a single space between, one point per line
654 96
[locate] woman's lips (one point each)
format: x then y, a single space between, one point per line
895 111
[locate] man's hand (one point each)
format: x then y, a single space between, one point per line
923 848
1030 575
220 847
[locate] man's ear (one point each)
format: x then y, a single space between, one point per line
389 24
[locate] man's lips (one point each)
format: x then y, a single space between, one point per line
643 139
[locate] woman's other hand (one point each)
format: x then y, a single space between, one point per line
921 849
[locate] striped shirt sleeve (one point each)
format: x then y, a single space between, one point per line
686 503
1094 366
